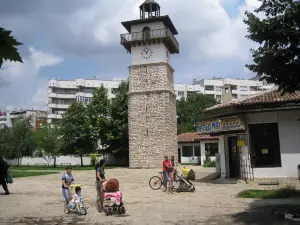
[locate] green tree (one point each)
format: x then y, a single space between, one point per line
3 141
8 47
119 116
77 132
19 140
99 115
49 143
191 110
277 59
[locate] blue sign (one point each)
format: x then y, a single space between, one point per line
207 127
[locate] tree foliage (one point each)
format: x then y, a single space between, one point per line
99 115
18 141
191 110
8 47
49 143
119 118
78 134
277 59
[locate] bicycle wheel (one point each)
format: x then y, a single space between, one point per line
155 182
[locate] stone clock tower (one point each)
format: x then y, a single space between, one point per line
152 101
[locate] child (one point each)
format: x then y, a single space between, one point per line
67 180
77 196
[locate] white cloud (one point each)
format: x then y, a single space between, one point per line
25 89
208 37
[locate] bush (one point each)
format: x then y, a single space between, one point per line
94 158
208 162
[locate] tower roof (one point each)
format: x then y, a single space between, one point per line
150 5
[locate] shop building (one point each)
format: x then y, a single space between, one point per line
258 136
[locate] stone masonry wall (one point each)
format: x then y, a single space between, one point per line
152 116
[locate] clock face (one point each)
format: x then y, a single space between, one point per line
147 53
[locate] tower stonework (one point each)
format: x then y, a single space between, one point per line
152 121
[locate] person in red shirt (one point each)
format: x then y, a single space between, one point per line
167 168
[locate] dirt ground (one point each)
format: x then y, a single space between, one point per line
38 200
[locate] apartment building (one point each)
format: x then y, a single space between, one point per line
61 93
240 88
37 117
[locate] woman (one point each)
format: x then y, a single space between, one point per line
100 178
3 174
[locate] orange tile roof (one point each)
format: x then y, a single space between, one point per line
271 96
194 137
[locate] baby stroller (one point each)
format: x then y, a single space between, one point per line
113 199
183 183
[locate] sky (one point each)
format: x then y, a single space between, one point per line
75 38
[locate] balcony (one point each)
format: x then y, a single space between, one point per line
58 106
54 116
63 96
153 36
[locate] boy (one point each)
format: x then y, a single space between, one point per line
67 180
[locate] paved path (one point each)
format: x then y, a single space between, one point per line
37 200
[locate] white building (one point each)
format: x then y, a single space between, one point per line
37 117
240 88
192 147
258 136
62 93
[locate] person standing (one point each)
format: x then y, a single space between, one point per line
100 178
67 180
167 168
171 174
3 174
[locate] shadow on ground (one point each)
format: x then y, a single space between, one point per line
259 214
209 178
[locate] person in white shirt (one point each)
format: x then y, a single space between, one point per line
77 196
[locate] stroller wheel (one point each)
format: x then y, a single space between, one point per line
178 190
123 210
110 211
193 189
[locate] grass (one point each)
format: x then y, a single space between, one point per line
287 192
16 174
55 168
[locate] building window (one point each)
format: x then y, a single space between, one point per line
181 93
233 87
210 95
114 90
209 87
218 97
234 96
197 151
253 88
187 151
243 88
146 33
212 148
265 146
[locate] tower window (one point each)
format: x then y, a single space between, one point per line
146 33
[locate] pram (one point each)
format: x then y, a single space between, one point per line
113 202
183 183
